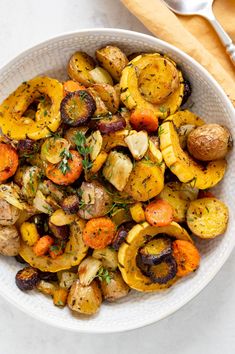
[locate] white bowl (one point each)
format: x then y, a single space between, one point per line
210 102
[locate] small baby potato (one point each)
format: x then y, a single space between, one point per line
112 59
209 142
84 299
115 289
79 67
9 241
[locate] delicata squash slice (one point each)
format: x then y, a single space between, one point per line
74 253
128 251
152 81
180 162
12 120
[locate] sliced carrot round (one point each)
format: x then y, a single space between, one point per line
8 162
67 171
144 120
99 233
71 86
159 213
187 257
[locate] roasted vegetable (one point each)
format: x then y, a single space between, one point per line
112 140
111 124
29 233
60 297
27 147
97 164
9 241
48 276
187 91
119 237
67 279
70 134
42 245
183 132
144 119
156 250
52 149
15 125
60 218
145 182
68 170
112 59
108 95
178 195
88 270
163 272
95 142
120 215
70 204
209 142
8 213
46 287
60 232
85 299
137 143
95 200
27 278
117 169
99 232
137 212
50 189
207 217
30 181
152 82
71 86
187 257
11 193
128 251
41 204
77 108
101 76
79 67
115 289
101 109
180 163
75 251
8 162
107 256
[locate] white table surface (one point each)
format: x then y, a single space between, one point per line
204 326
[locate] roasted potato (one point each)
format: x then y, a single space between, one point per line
9 241
85 299
67 279
79 67
9 214
209 142
11 193
95 200
108 95
207 217
112 140
115 289
145 182
46 287
112 59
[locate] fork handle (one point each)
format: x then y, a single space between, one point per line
224 37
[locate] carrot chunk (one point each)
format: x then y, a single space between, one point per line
144 120
43 245
99 233
8 162
159 213
187 257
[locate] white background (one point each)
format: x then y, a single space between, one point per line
207 324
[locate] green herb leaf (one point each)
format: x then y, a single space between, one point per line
84 150
103 275
63 165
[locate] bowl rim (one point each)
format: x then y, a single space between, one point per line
226 254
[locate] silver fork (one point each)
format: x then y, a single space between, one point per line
204 8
